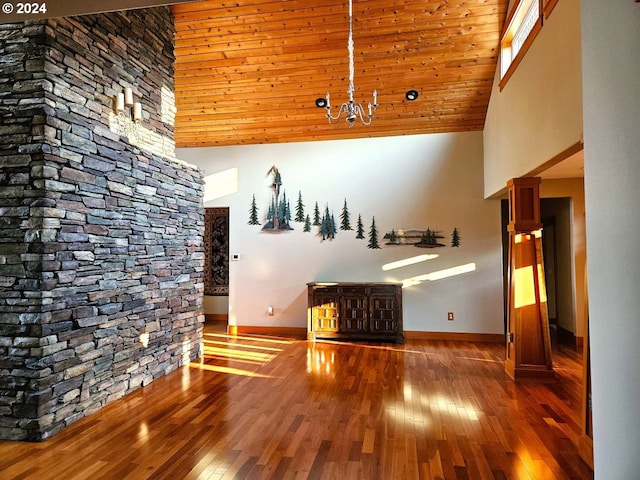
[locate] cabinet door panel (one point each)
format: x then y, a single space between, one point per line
355 316
325 313
384 314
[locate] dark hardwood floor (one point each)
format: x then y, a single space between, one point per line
275 408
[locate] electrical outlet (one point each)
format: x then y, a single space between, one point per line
450 316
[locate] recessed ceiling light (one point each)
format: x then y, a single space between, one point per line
411 95
321 102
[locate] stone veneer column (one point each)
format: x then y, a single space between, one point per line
101 251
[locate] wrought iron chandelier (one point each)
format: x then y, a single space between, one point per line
352 109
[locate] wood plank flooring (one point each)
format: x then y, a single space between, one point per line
274 408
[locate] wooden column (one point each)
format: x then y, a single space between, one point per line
528 353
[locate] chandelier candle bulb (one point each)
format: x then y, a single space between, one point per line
128 96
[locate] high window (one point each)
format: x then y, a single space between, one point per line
523 24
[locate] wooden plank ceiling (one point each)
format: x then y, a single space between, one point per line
249 71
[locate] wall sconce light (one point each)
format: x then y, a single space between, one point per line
123 103
128 113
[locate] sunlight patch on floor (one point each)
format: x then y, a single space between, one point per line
227 370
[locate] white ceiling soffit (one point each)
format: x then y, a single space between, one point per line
572 167
15 11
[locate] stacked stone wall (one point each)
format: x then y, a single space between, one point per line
101 252
22 119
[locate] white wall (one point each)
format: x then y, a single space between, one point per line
611 42
418 181
215 305
538 114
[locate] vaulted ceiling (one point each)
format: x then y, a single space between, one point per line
249 71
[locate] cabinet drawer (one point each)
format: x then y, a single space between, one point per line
353 290
383 290
328 290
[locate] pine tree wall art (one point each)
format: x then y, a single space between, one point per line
279 214
327 228
391 237
359 228
373 235
299 208
428 238
253 212
345 222
455 238
316 216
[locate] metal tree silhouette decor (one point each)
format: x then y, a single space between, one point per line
316 215
279 213
360 228
253 213
299 208
428 238
455 238
345 223
373 235
328 228
279 217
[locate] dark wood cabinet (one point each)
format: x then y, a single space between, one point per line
355 311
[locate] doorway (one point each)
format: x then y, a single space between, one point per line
558 262
216 268
549 247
